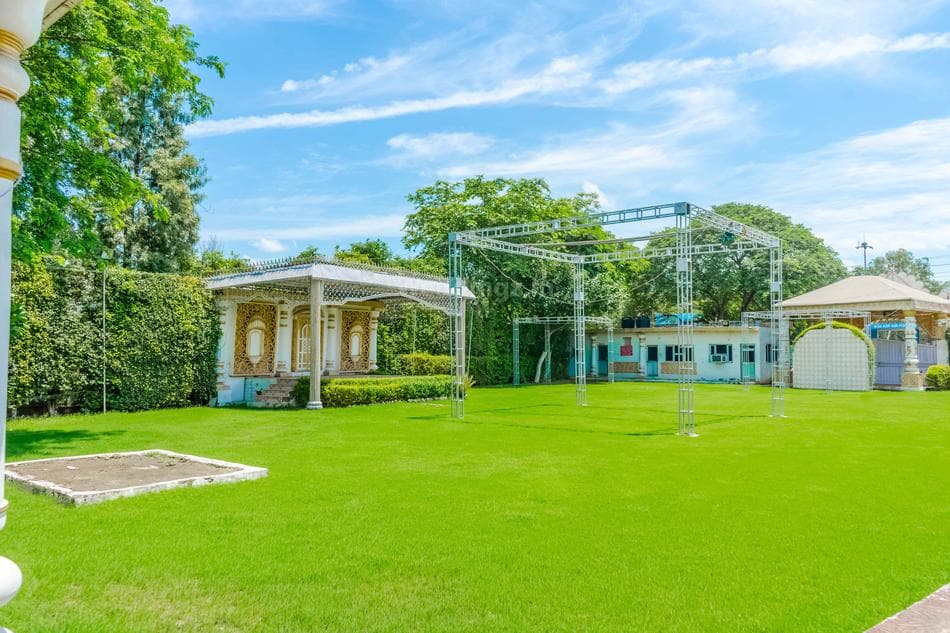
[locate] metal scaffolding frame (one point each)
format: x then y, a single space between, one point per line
579 359
781 343
689 219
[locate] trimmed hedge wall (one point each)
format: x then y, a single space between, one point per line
422 364
161 337
938 377
354 391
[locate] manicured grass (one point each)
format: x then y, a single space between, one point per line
529 515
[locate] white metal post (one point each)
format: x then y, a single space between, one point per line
610 353
547 353
778 333
580 338
515 353
457 327
685 354
104 273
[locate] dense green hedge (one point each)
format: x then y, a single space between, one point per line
354 391
938 377
422 364
161 338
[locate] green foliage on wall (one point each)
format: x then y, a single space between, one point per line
161 337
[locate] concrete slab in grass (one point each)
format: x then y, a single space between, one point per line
94 478
930 615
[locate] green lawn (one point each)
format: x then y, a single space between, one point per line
529 515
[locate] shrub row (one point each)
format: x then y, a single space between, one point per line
938 377
354 391
422 364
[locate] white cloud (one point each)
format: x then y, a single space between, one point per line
764 62
561 74
364 71
194 11
383 226
591 187
774 20
892 185
626 152
269 245
439 144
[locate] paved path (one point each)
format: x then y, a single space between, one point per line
930 615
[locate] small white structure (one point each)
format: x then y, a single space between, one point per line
720 353
832 358
923 317
270 323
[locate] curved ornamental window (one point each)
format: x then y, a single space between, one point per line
254 341
303 346
356 342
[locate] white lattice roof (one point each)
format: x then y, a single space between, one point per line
343 282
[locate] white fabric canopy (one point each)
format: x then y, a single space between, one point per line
869 292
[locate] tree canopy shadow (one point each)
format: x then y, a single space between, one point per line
45 442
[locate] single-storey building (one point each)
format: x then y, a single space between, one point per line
270 326
721 353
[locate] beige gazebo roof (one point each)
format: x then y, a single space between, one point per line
870 292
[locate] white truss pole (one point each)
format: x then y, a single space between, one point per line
610 353
685 355
580 338
515 354
457 327
778 326
547 353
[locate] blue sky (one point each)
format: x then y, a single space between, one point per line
834 112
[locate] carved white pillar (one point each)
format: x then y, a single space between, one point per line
316 302
20 24
642 366
373 328
911 379
330 342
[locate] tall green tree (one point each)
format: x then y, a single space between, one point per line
111 79
726 285
903 261
158 230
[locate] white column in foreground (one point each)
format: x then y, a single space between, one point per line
316 301
20 24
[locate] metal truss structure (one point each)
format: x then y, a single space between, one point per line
784 321
579 358
692 223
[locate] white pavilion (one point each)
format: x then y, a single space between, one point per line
269 324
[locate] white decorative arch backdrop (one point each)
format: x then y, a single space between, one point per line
831 358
